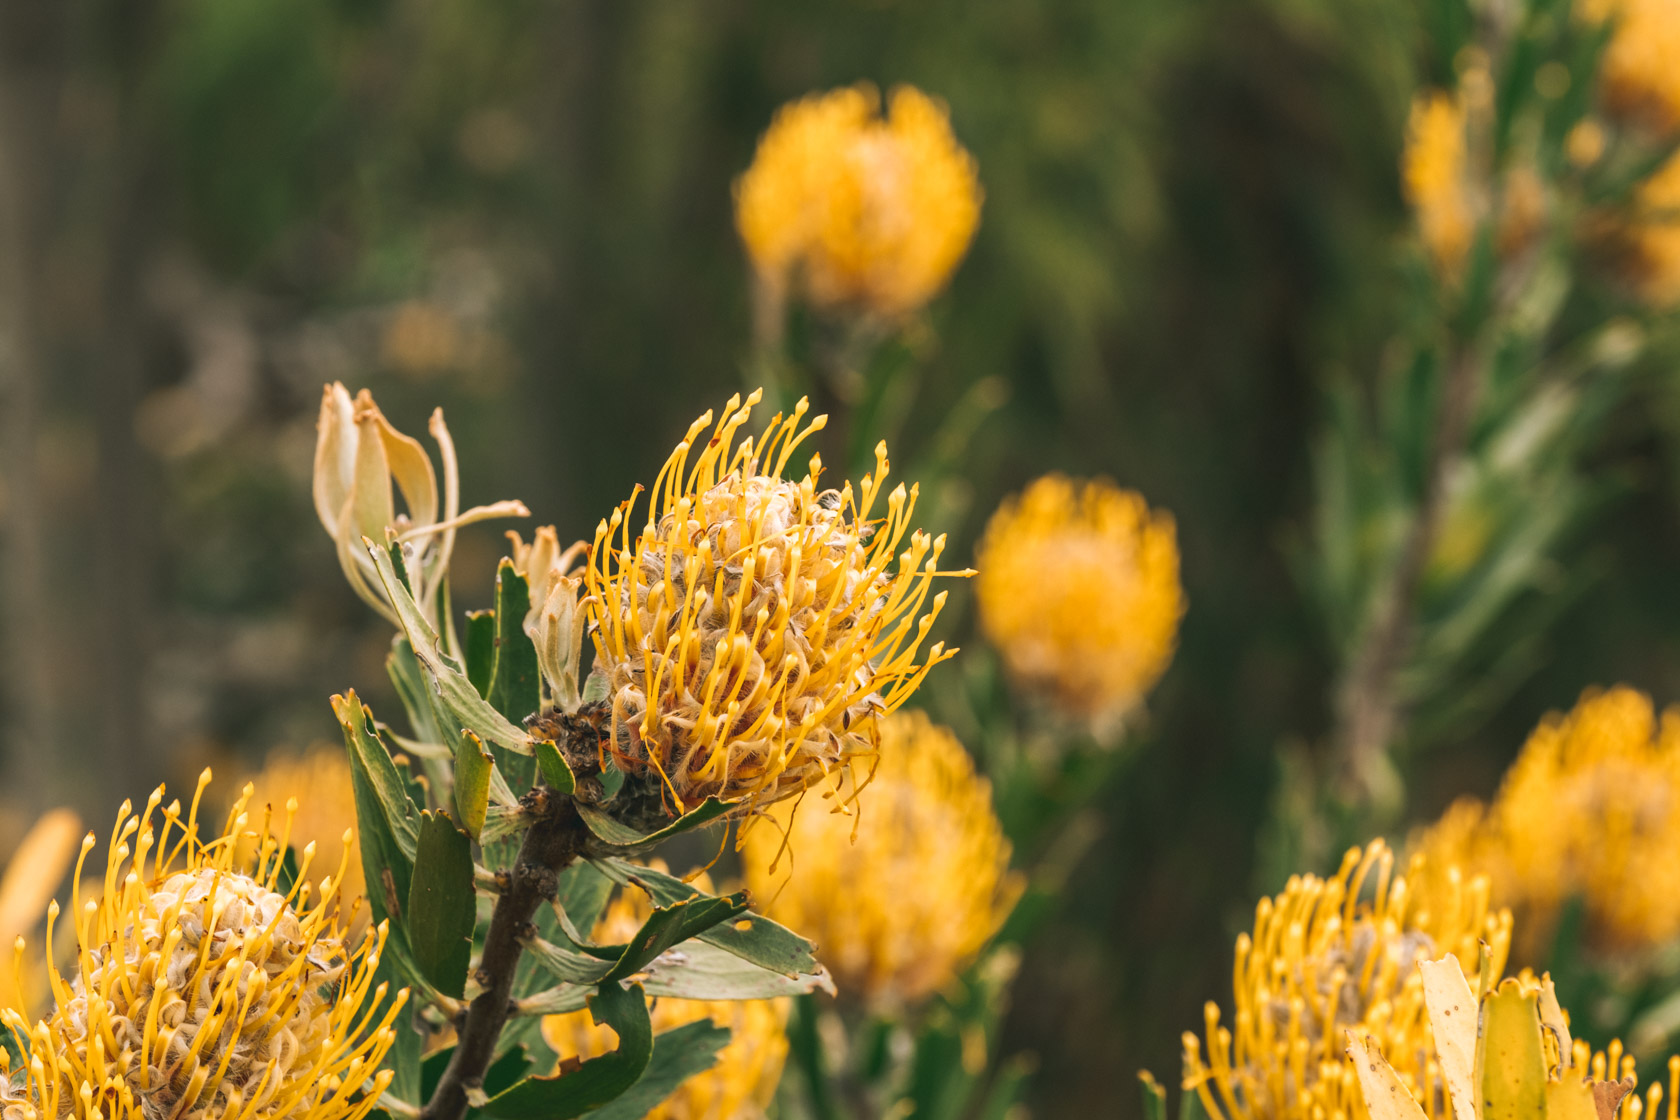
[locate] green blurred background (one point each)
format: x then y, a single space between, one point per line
521 210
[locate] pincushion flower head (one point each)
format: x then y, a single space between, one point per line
1590 810
754 631
1079 593
858 210
204 987
1638 80
739 1086
899 906
1326 960
358 455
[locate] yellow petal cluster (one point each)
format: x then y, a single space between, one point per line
1079 592
756 628
1638 79
899 908
1436 178
204 989
854 209
1326 958
739 1086
1590 809
318 781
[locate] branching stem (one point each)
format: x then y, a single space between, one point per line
553 842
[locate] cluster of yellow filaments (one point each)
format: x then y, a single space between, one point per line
1323 961
855 209
318 780
1079 592
901 907
204 989
1589 810
755 630
1435 175
739 1086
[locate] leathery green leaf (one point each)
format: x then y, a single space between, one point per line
677 1055
473 766
596 1081
442 904
555 773
674 924
515 681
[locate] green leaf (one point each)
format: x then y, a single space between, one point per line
673 925
582 894
1010 1086
621 835
473 768
1154 1097
503 1073
410 682
697 970
805 1046
568 965
403 1059
753 937
480 651
595 688
677 1055
516 682
555 772
442 904
453 691
388 822
596 1081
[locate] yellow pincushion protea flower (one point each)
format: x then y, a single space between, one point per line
318 781
1637 76
755 630
739 1086
857 209
901 905
203 990
1590 809
1323 961
1079 592
1435 175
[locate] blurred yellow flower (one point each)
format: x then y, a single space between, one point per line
1653 236
755 629
902 906
1324 959
202 990
1638 77
318 780
1436 177
858 210
740 1085
1590 809
33 873
1079 592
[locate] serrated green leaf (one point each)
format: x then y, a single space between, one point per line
752 937
452 690
442 904
480 650
597 1081
516 682
473 767
674 924
555 773
677 1055
621 835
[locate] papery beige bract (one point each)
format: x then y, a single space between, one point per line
358 455
552 623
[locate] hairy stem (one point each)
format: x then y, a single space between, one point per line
554 841
1367 703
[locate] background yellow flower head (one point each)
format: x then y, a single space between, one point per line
858 209
740 1084
1324 959
1589 810
755 629
319 781
1435 174
205 987
901 897
1079 592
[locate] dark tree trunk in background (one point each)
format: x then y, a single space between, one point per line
30 72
